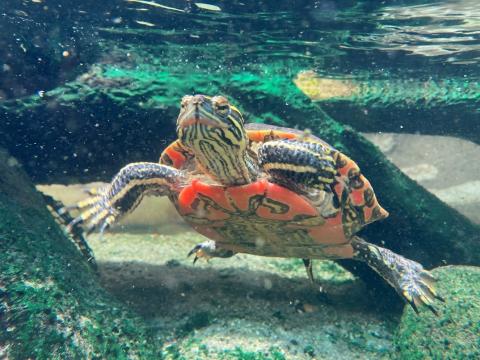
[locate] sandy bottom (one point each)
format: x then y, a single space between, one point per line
243 306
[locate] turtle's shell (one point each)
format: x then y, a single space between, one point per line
269 219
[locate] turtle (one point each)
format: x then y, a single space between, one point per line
259 189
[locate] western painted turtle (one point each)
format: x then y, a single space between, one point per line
261 190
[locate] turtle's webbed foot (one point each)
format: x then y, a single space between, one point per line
416 286
96 212
411 281
124 193
207 250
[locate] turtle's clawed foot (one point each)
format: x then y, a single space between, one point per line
416 286
201 251
207 250
96 212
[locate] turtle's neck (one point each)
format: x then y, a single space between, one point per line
226 166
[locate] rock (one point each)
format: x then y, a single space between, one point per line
464 197
454 334
421 172
51 303
465 193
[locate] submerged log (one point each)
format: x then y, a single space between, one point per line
111 116
446 107
51 303
85 130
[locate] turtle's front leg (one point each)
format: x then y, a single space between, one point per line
413 283
296 163
124 193
209 249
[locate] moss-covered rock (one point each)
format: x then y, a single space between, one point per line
51 303
454 334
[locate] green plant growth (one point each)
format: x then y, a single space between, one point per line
51 304
454 334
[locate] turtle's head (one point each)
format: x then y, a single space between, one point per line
213 130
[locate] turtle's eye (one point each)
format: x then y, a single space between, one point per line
220 104
185 100
222 108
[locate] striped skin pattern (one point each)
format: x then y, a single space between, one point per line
294 162
124 193
261 190
214 132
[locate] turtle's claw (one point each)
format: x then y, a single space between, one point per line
207 250
96 212
194 250
71 225
417 288
411 281
63 218
202 250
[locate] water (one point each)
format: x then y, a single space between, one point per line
88 87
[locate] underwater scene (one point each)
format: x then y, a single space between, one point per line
249 180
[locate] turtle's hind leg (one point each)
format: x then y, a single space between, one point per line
413 283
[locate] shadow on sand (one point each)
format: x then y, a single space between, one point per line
170 296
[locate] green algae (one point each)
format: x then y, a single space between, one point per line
51 304
240 354
454 333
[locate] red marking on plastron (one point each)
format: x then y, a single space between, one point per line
241 195
217 194
297 204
